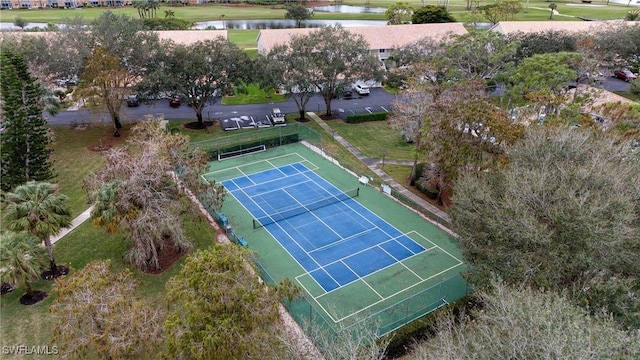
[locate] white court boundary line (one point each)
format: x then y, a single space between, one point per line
382 299
317 298
312 168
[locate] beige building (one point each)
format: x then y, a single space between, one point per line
382 40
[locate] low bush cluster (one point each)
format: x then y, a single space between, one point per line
358 118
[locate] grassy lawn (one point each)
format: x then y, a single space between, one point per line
252 94
628 95
538 10
399 173
245 39
73 161
374 139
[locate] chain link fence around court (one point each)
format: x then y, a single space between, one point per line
385 320
268 137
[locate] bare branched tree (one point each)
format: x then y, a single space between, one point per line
97 314
137 193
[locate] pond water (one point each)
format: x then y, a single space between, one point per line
282 24
7 26
349 9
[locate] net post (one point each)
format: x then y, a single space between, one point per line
358 191
254 223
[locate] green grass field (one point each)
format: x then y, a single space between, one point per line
537 10
73 162
374 139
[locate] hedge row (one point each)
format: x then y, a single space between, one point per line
358 118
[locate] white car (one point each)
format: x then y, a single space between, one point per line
361 89
277 117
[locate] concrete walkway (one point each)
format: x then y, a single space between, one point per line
372 164
74 224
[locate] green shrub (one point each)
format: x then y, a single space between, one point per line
167 24
635 87
358 118
405 337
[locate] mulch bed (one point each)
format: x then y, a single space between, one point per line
166 257
60 271
6 288
195 126
446 198
109 141
36 297
326 117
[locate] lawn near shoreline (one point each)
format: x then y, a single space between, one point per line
537 10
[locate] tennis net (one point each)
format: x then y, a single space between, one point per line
317 204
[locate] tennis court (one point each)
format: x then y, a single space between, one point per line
356 253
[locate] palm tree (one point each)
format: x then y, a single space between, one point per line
39 209
22 258
553 7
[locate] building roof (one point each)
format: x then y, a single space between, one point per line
378 37
512 27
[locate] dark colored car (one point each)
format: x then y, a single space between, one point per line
625 74
175 102
133 101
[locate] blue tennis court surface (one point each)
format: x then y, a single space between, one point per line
334 238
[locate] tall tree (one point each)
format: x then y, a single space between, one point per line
25 141
398 13
137 194
479 54
414 108
468 134
543 79
540 325
105 83
39 209
217 306
121 36
98 314
147 9
298 13
552 8
618 43
289 70
22 260
336 58
431 14
550 41
20 22
563 216
198 73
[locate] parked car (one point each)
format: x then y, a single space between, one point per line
175 102
625 74
361 89
133 101
277 117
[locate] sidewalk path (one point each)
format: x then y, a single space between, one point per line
74 224
373 165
